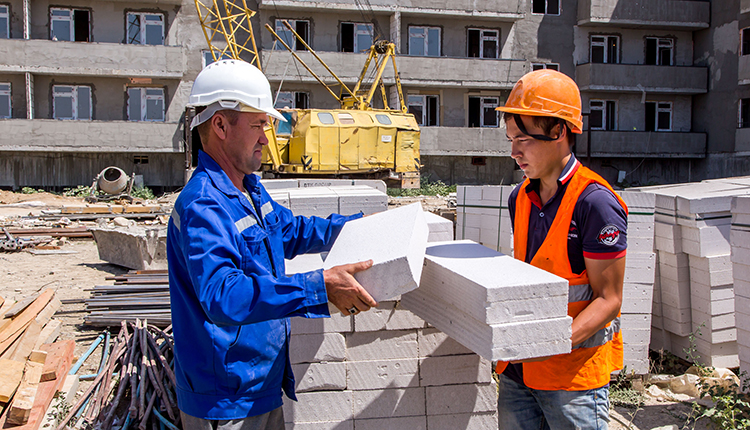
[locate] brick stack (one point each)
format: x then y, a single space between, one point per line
696 281
482 216
638 287
385 369
740 241
323 201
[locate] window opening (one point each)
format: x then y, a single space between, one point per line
603 115
604 49
424 41
4 22
356 37
658 116
424 108
145 28
71 102
483 43
482 111
145 104
547 7
302 27
5 100
70 25
659 51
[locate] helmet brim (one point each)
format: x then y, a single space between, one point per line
575 128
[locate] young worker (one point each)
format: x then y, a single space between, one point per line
226 244
568 221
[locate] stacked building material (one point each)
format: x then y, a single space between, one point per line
638 286
385 368
138 294
740 242
696 281
482 216
311 199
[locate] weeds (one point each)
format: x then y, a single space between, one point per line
621 392
426 188
30 190
79 191
144 193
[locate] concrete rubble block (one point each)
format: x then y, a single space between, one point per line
441 229
387 316
458 399
380 374
320 202
134 247
473 421
466 274
400 402
382 345
454 369
321 425
325 376
395 240
640 267
360 198
433 342
313 348
392 423
319 406
511 341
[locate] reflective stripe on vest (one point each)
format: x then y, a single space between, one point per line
175 218
590 363
245 223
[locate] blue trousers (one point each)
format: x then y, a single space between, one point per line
523 408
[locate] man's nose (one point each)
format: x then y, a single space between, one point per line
514 150
263 139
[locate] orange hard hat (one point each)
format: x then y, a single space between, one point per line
546 92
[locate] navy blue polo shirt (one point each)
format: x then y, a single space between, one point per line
598 229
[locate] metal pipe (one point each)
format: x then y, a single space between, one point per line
86 355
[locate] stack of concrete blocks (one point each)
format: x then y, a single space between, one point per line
696 281
482 216
638 286
740 242
273 184
323 201
499 307
385 369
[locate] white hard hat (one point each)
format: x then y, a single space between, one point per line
231 84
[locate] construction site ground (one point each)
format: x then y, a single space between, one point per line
72 275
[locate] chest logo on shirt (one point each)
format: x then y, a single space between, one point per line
609 235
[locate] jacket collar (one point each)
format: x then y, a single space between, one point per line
221 179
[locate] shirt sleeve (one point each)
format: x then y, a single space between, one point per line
227 293
602 224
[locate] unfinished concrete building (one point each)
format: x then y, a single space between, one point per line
85 84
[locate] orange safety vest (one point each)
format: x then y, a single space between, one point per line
589 364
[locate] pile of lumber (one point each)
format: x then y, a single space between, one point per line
138 294
32 368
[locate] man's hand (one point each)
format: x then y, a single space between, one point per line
344 291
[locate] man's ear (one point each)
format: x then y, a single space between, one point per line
219 125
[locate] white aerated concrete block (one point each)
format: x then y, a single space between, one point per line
465 274
328 376
400 402
303 263
473 421
382 345
337 323
433 342
387 316
441 229
454 369
277 184
395 240
375 374
393 423
640 267
313 348
360 198
320 202
457 399
319 406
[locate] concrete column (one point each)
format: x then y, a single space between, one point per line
396 30
29 96
27 19
393 97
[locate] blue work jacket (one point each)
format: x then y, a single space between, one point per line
231 298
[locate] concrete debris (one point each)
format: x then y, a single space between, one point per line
134 247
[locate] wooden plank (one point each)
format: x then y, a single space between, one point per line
4 308
46 314
45 393
20 306
26 342
56 353
49 333
68 391
11 373
23 401
24 318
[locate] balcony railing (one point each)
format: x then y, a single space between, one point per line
91 59
495 9
671 14
49 135
463 141
641 144
639 78
414 71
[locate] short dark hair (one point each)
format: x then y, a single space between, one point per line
546 123
232 116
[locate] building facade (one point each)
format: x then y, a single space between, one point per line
666 84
